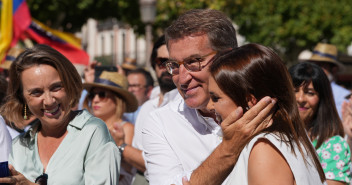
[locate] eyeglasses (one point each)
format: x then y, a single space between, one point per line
161 62
101 94
192 63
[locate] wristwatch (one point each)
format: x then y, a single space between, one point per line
122 148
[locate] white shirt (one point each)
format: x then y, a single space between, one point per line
145 111
304 174
176 140
155 92
5 141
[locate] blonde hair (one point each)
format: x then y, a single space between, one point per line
120 104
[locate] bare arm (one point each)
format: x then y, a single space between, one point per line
237 131
131 155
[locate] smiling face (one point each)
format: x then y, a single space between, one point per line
219 102
45 95
193 86
307 101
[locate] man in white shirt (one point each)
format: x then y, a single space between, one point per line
133 154
182 138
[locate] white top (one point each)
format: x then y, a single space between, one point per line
339 94
304 174
155 92
5 141
176 140
145 111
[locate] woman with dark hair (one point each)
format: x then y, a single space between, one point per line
317 110
62 146
282 153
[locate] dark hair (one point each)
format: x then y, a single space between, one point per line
148 77
255 70
217 26
3 89
326 121
158 43
39 54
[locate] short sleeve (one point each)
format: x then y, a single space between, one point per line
334 155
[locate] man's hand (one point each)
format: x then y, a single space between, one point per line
238 129
16 178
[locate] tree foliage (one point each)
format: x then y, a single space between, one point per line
70 15
287 26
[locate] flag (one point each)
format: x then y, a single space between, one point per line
21 19
5 28
16 24
66 43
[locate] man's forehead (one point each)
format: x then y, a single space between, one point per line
187 46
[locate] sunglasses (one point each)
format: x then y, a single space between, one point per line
101 95
161 62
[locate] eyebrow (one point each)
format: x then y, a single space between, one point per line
51 85
191 56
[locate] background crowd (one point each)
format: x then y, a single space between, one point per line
217 113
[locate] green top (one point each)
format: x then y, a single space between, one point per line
87 154
334 155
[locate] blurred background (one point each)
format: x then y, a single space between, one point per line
116 31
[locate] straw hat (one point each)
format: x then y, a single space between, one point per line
129 64
10 57
117 83
326 53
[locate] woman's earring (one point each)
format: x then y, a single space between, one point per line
247 108
25 112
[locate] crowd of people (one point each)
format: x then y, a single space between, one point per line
220 114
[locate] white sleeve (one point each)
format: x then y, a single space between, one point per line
162 164
5 141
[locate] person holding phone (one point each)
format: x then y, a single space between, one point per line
62 146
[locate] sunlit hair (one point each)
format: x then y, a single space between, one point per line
39 55
196 22
120 104
255 70
326 121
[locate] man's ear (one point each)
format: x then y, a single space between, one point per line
251 101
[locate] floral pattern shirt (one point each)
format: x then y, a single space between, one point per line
334 155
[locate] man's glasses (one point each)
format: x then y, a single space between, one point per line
161 62
101 95
192 64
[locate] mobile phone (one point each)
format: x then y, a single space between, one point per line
4 169
100 69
